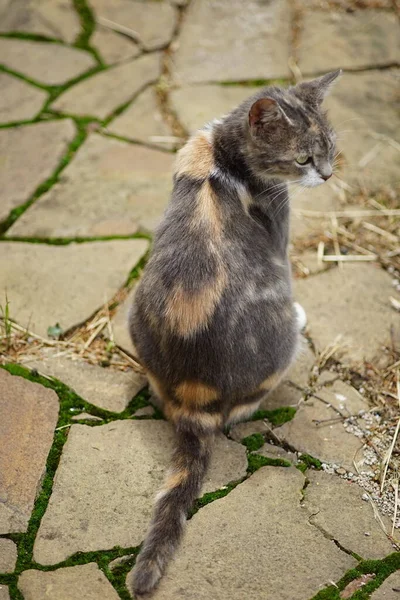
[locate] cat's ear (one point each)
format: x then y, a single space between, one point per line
265 111
316 90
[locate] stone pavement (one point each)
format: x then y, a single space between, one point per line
96 98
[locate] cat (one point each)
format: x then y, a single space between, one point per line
213 320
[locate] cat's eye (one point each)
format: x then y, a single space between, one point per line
303 159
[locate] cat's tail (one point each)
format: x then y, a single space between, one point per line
182 486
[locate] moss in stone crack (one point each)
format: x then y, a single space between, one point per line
256 461
255 83
75 240
253 442
277 417
211 496
137 270
88 25
308 462
381 568
34 37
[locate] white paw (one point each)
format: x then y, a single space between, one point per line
301 315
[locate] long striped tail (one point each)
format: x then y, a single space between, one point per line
183 484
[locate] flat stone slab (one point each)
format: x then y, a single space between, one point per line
347 40
83 581
8 555
119 324
233 41
125 464
105 388
344 398
19 101
363 109
19 184
142 121
50 64
87 275
4 595
112 46
110 188
389 589
152 24
28 416
247 546
197 105
316 430
51 18
353 303
320 200
100 95
354 526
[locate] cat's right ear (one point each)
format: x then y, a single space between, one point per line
263 111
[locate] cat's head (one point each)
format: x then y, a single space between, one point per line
289 135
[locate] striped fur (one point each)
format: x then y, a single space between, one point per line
213 319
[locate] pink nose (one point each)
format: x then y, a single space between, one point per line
326 177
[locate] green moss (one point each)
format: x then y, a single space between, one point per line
4 69
88 26
253 442
256 461
277 417
34 37
381 568
75 240
256 83
308 462
212 496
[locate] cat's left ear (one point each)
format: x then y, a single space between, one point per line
316 90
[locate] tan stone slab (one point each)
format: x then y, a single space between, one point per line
83 581
112 46
354 526
28 416
222 41
363 107
51 18
18 184
119 324
321 199
142 121
197 105
125 463
19 101
344 398
110 188
254 543
353 303
152 23
8 554
271 451
389 589
348 40
242 430
63 284
85 417
4 595
50 64
312 431
101 94
106 388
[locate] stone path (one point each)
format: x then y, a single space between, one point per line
95 100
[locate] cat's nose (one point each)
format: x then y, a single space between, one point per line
326 177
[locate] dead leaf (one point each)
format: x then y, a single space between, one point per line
356 585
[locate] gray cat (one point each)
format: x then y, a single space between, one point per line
213 320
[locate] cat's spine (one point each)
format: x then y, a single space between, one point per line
182 486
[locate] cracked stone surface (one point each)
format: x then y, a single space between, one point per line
271 451
327 441
241 430
358 309
8 555
112 46
389 589
101 94
261 516
4 595
18 184
344 398
83 581
354 526
125 463
110 188
106 388
222 42
197 105
28 416
19 101
49 64
152 24
142 121
51 18
348 40
25 269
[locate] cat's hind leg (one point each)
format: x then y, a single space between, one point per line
300 315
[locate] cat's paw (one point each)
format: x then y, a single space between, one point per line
300 315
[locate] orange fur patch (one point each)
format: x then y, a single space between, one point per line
194 393
207 211
175 479
242 411
200 419
272 381
195 158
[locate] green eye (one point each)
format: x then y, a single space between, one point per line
303 159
